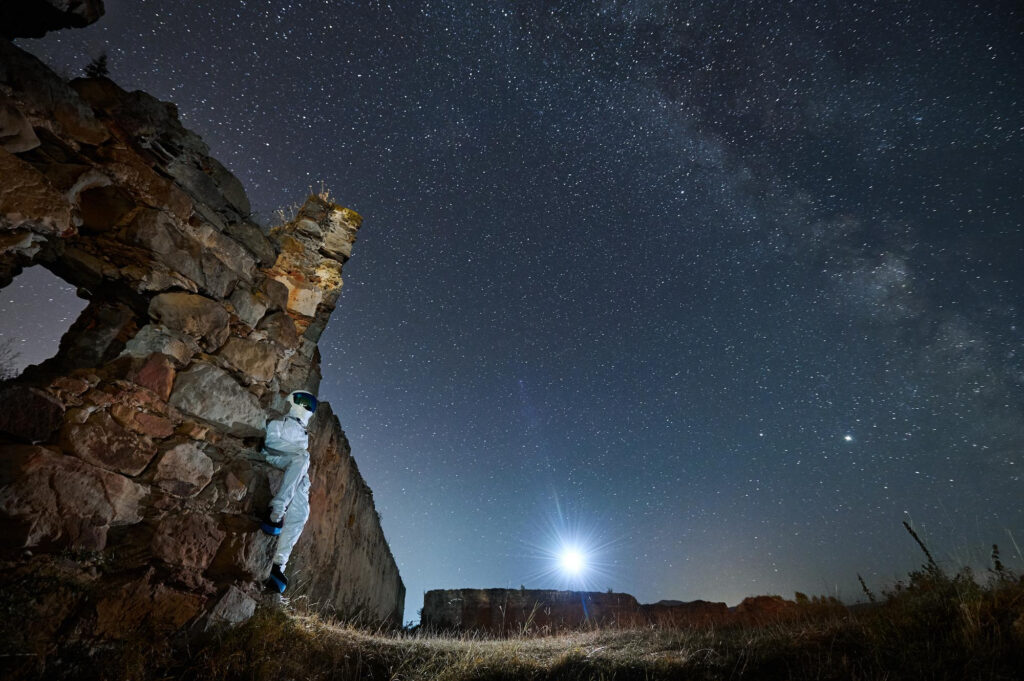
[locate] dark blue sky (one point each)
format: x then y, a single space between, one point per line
734 288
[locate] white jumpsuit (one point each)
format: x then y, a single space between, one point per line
287 448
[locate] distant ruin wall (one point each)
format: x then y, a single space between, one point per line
504 612
129 467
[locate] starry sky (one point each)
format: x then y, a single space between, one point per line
722 292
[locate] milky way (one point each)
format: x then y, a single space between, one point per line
734 288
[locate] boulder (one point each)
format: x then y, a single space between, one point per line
209 393
198 316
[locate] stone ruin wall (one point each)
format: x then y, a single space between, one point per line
504 612
129 479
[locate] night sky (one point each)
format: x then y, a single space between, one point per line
721 291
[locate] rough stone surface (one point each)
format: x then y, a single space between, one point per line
183 470
49 498
255 359
233 607
156 338
103 442
202 318
209 393
141 489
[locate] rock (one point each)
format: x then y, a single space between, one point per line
198 316
29 414
16 133
50 497
250 307
209 393
103 209
280 328
255 359
189 302
27 199
103 442
250 236
187 540
151 425
157 338
183 470
45 99
34 18
234 606
157 374
245 556
142 605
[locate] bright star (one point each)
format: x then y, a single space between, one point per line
848 438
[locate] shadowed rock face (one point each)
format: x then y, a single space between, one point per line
129 474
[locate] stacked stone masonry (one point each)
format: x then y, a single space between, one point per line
130 477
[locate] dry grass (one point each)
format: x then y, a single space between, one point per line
933 626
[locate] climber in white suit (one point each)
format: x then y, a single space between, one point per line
286 447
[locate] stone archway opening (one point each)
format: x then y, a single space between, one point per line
36 310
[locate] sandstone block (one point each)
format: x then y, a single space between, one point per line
198 316
256 359
183 470
29 414
103 442
51 497
211 394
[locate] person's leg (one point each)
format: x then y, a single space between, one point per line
294 521
294 472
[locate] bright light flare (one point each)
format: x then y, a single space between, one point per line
572 561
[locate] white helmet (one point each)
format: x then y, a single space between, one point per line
301 405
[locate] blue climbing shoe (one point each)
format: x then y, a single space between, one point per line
277 581
269 526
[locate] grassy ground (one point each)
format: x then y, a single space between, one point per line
932 626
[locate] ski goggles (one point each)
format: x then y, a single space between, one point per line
305 400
